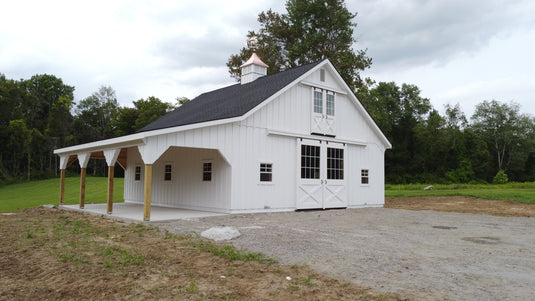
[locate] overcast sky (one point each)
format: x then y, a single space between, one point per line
455 51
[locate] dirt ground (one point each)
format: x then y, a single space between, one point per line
462 204
51 254
422 254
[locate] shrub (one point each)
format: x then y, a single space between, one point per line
500 178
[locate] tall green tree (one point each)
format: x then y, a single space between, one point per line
45 90
402 114
125 121
48 93
20 138
310 30
149 110
129 120
94 115
506 131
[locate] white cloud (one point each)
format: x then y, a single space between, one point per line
455 51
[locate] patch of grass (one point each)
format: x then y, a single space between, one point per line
308 280
229 252
36 193
192 288
511 192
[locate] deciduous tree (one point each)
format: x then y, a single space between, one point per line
310 30
506 131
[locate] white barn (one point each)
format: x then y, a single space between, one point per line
298 139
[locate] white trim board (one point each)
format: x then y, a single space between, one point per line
315 137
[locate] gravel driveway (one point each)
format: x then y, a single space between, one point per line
425 254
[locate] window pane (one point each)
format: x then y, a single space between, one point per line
265 177
318 102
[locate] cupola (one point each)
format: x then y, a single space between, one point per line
254 67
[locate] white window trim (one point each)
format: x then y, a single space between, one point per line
360 176
270 183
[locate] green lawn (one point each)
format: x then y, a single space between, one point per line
513 192
36 193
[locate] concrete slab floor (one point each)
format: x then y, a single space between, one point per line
134 212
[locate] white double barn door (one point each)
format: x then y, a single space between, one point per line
321 175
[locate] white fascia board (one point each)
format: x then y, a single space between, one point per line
315 137
359 106
119 142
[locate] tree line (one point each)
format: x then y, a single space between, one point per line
429 147
39 115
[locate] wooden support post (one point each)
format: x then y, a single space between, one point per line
82 187
110 189
148 191
62 186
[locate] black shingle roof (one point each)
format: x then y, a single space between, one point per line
228 102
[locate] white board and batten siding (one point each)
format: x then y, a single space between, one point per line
290 112
186 152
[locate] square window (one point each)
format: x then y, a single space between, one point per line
207 172
266 172
364 176
168 172
137 173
